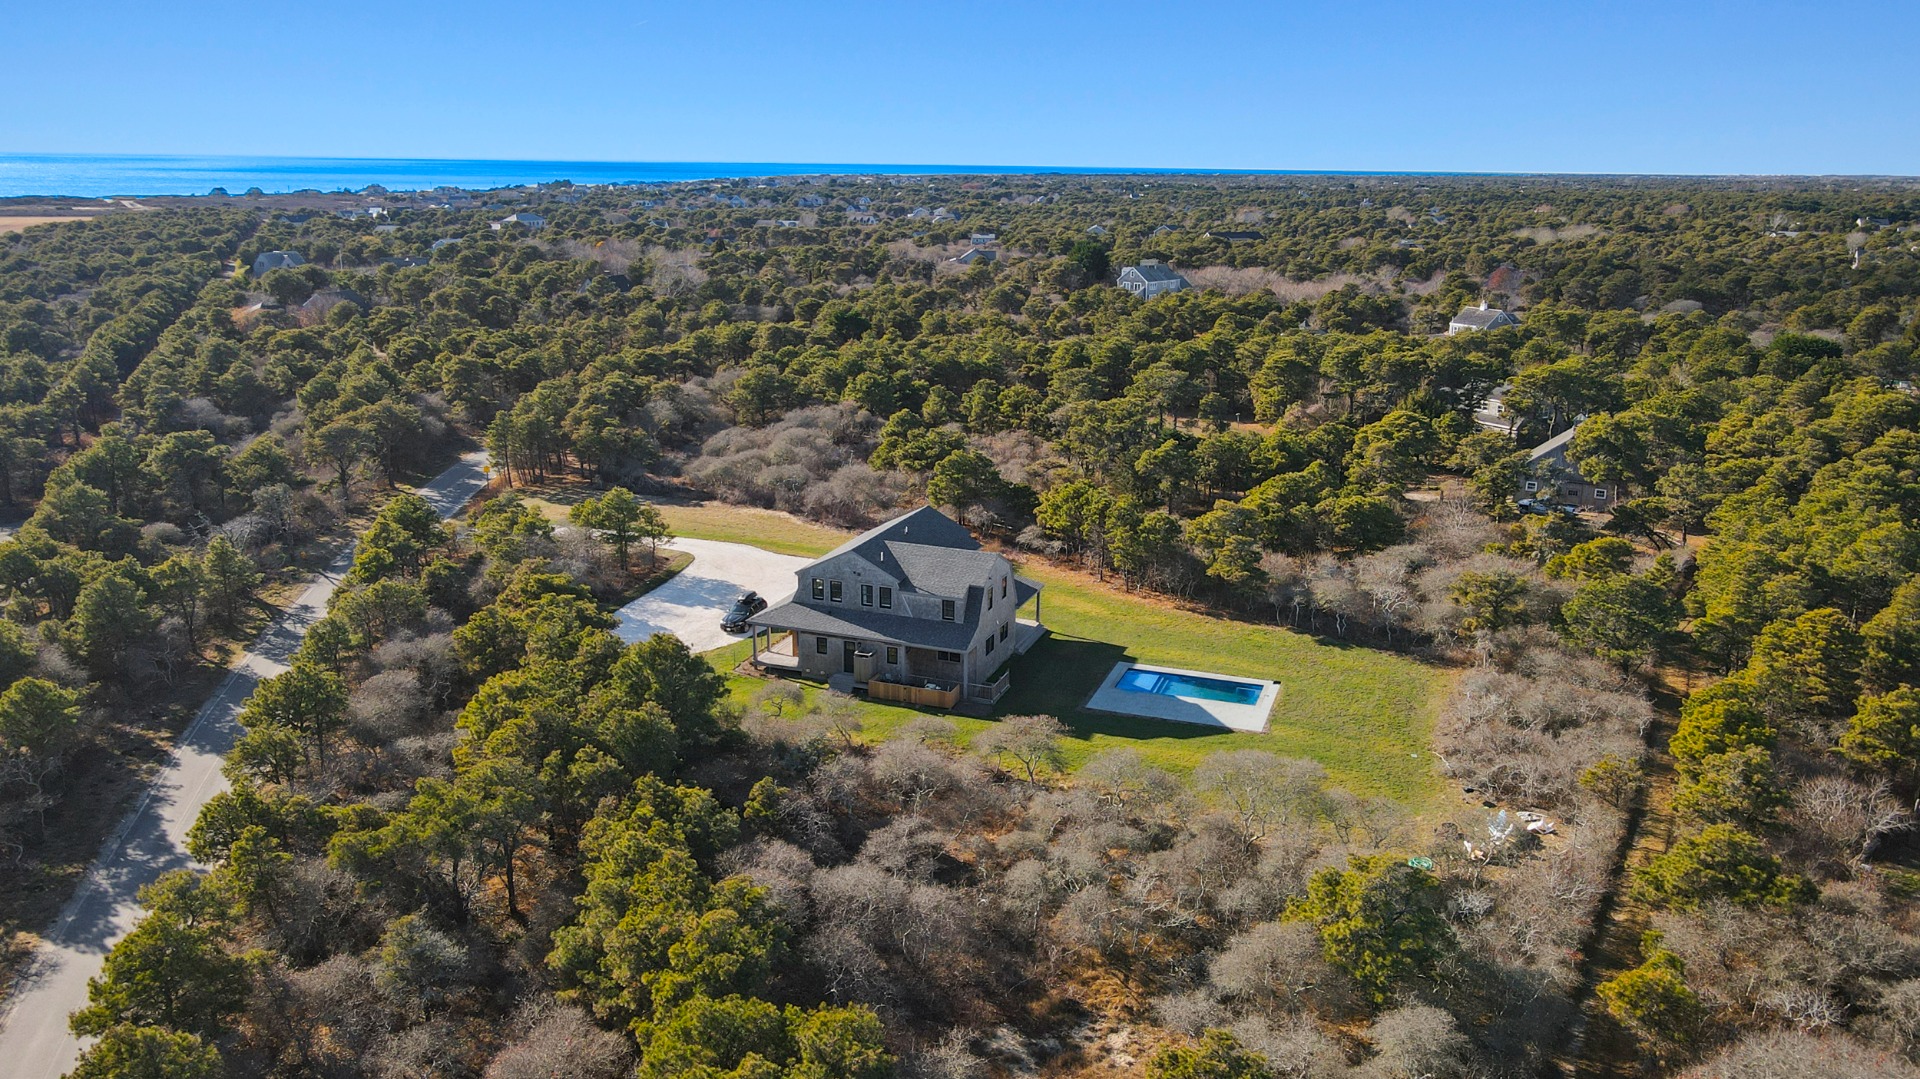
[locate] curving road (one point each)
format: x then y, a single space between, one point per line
34 1040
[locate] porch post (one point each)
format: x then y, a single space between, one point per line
966 662
754 636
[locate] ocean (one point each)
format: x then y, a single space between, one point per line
134 176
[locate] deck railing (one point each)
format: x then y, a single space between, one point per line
990 692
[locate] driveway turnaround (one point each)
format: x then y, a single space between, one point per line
690 605
34 1040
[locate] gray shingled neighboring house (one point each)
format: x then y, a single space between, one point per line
913 601
1480 318
1151 278
268 261
532 221
1552 477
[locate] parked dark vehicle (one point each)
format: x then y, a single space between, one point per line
744 608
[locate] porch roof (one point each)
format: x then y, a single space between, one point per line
867 625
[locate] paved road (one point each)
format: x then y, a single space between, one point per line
34 1040
690 605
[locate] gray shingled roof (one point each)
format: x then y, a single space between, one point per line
1478 317
1156 272
864 624
1552 444
267 261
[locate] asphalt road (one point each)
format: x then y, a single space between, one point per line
690 605
151 840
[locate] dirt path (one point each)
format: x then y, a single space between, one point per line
1599 1047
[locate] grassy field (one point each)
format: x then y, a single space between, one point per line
1364 714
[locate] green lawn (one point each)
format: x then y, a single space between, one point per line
1365 715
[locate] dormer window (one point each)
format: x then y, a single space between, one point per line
886 598
819 589
834 591
946 610
866 595
1003 588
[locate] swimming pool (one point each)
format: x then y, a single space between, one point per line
1203 697
1190 686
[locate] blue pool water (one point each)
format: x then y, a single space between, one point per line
1189 685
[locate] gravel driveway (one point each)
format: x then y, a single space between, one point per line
690 605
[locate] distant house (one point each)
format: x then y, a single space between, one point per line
531 221
975 254
810 201
918 212
1480 318
914 603
980 239
268 261
444 241
1161 230
1151 278
1236 236
1552 477
858 218
1096 230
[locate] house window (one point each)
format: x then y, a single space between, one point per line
1003 631
949 657
833 591
886 598
1533 485
989 597
989 646
893 655
820 645
866 595
819 589
1003 587
946 610
1599 494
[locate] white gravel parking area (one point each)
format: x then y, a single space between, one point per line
690 605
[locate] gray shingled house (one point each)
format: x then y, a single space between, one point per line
1151 278
1552 477
913 603
1480 318
267 261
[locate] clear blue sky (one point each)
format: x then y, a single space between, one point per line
1548 85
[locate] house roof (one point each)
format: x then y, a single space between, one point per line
1155 272
1479 317
866 624
276 260
1548 447
925 549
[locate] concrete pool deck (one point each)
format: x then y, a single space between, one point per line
1252 718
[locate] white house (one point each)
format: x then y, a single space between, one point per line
532 221
1480 318
1151 278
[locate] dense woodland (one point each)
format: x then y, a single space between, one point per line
470 834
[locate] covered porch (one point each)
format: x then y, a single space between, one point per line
780 652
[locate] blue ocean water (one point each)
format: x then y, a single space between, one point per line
129 175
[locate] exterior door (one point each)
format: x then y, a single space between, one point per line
846 656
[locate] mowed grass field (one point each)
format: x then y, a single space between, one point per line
1365 715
